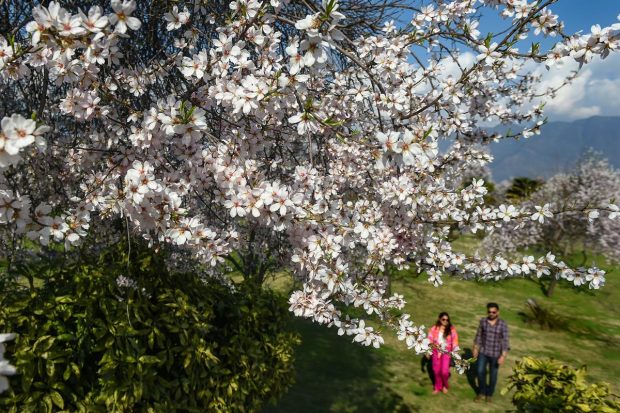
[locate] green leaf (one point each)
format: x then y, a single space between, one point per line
50 368
65 300
65 337
57 399
66 375
49 406
488 40
148 359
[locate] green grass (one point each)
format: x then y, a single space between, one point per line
334 375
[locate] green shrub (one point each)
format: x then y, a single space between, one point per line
166 343
547 386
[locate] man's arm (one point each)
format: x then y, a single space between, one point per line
505 343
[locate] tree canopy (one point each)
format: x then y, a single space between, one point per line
267 134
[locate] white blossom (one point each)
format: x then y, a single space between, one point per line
121 17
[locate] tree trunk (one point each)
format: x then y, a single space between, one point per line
551 287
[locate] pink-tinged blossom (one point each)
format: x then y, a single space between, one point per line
596 278
122 18
95 22
69 25
175 18
6 52
17 133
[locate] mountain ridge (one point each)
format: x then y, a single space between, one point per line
557 148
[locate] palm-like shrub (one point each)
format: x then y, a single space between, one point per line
547 386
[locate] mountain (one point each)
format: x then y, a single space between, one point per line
557 148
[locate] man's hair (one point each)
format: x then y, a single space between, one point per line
493 305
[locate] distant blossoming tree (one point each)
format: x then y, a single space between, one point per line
269 133
592 182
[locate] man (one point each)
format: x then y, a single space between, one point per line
490 347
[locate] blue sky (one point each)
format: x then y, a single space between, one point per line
581 14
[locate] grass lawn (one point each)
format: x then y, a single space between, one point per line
334 375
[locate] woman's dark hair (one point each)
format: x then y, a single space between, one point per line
448 329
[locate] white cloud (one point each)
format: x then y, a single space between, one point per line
451 68
595 91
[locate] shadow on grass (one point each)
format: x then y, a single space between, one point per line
471 373
335 375
545 318
586 332
426 365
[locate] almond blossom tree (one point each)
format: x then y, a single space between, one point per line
272 134
592 182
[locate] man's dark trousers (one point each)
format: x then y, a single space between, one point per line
487 388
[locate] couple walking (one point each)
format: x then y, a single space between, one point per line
490 348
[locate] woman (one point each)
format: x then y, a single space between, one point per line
443 339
